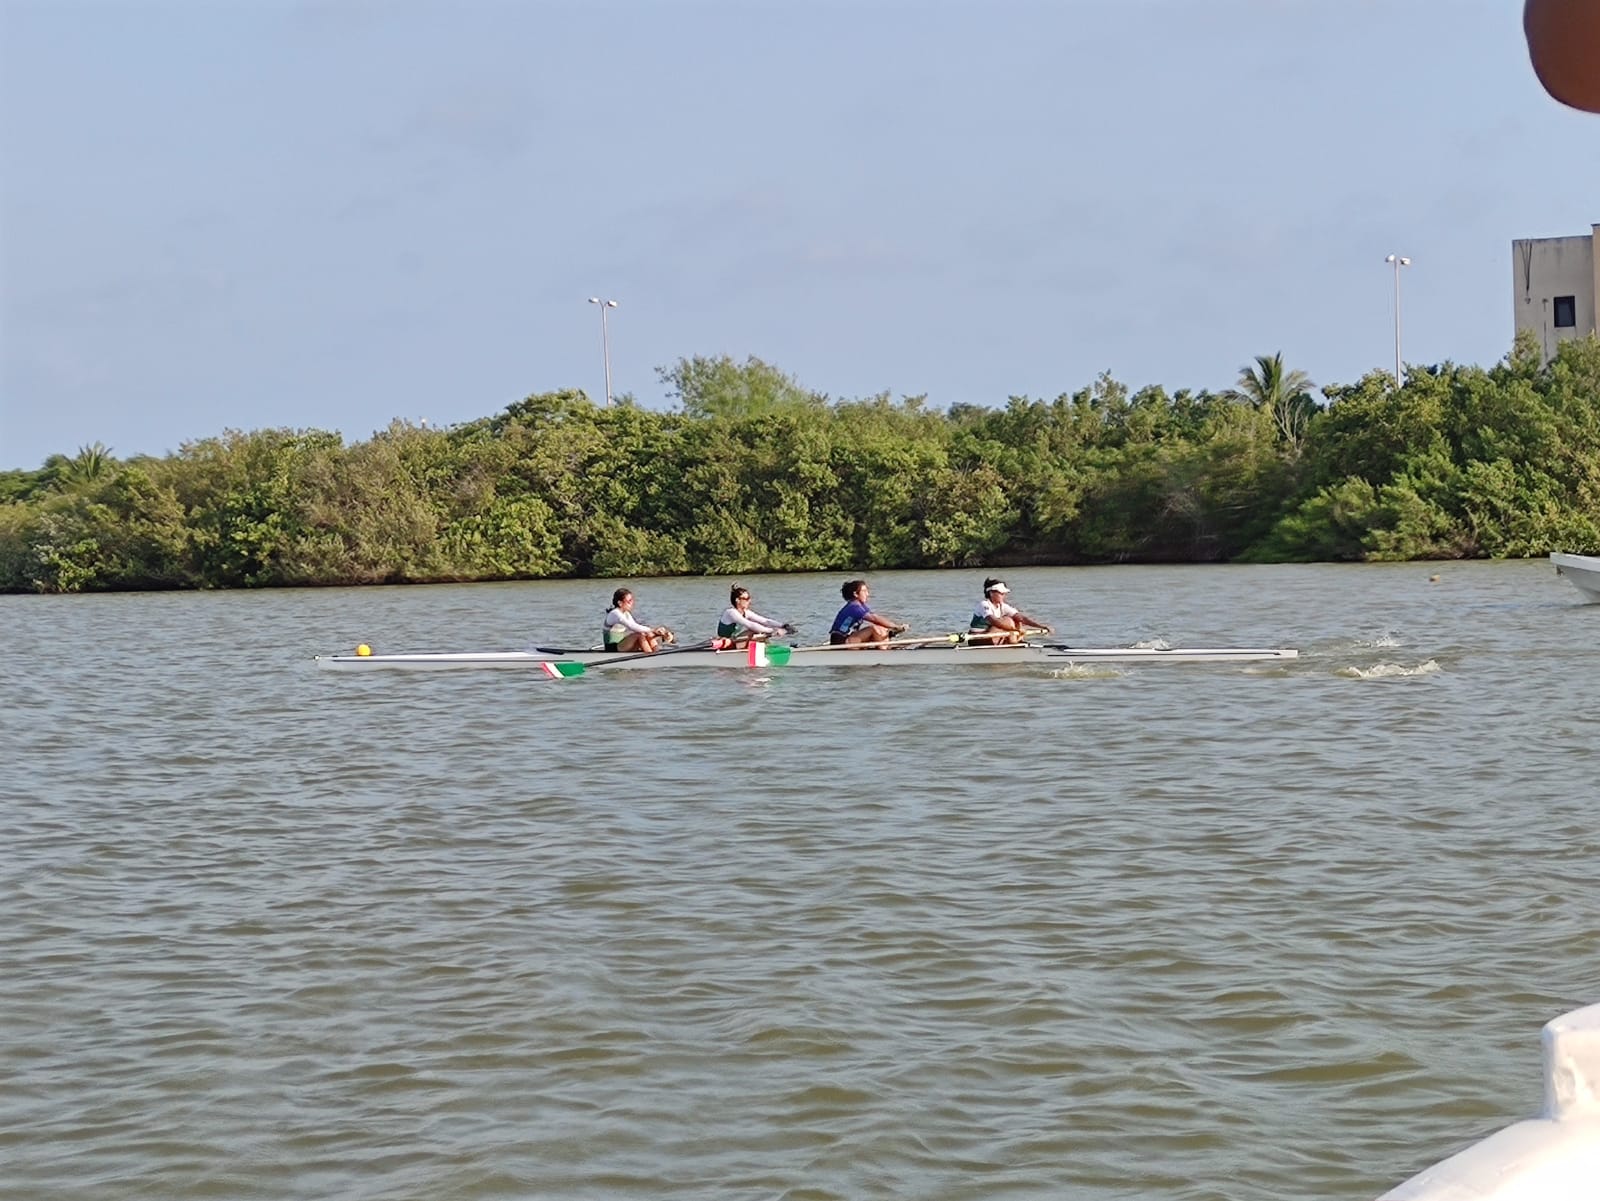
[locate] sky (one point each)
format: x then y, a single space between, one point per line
241 214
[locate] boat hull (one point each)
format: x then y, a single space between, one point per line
1583 571
1028 654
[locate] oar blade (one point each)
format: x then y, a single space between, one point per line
561 671
762 654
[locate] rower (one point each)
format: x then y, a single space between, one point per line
626 633
741 625
856 623
996 621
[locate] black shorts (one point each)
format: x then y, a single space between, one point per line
835 638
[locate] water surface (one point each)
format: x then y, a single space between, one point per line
1162 931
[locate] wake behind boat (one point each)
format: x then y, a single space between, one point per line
951 650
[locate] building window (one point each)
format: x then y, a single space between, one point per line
1566 312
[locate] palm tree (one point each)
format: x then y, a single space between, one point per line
89 464
1286 395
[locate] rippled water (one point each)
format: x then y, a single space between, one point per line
966 932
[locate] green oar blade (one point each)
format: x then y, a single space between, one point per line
561 671
761 654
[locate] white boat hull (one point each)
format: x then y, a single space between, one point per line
1583 571
1028 654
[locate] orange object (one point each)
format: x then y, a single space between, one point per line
1564 44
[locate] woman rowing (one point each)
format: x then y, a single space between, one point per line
857 624
626 633
741 625
996 621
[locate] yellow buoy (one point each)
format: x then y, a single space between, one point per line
363 649
1433 579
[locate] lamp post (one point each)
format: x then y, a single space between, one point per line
1399 261
605 340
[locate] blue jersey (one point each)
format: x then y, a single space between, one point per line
850 618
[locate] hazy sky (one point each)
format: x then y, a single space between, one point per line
251 213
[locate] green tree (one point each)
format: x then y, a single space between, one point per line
91 464
719 387
1283 394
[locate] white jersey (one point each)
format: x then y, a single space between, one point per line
749 621
617 621
988 611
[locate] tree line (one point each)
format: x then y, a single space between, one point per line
752 472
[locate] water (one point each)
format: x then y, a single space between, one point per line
1154 932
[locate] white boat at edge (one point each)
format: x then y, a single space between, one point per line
1583 571
1026 654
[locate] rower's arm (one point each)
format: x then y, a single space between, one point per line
758 624
629 622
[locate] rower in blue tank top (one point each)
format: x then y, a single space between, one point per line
856 623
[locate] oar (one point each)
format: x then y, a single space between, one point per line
889 644
761 654
561 671
566 670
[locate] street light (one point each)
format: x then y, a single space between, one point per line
1399 261
605 340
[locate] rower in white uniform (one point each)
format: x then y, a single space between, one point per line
996 621
741 625
626 633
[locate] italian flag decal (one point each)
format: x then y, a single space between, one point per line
759 654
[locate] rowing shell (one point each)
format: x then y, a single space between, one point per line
1053 655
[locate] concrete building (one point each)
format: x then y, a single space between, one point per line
1554 285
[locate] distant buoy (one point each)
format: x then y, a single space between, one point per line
365 650
1433 579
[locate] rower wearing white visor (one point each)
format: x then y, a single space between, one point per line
740 624
997 621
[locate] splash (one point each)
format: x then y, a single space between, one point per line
1085 671
1389 671
1380 642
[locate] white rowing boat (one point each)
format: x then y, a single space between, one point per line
940 653
1583 571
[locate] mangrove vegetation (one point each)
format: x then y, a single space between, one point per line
751 471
